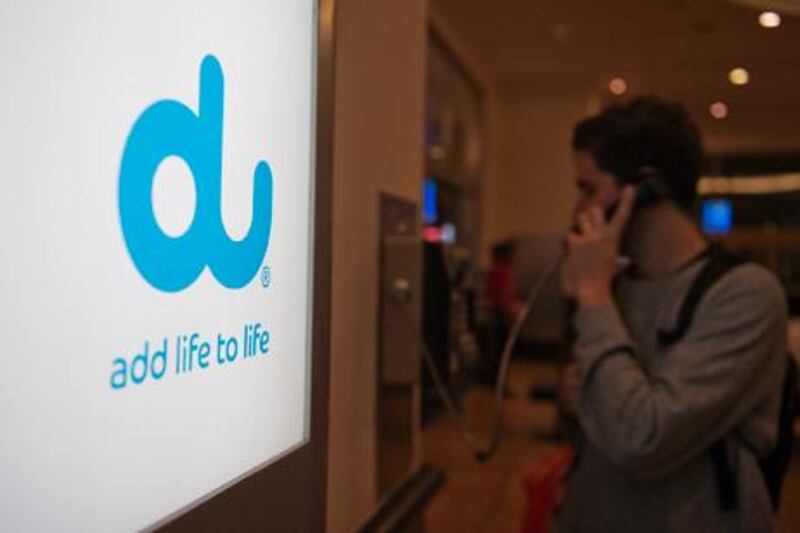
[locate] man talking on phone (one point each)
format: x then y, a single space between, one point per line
676 402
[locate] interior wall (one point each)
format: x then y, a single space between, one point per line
478 72
528 180
378 142
532 188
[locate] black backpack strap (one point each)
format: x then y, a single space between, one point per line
775 465
727 487
720 262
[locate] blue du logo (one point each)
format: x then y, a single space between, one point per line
169 128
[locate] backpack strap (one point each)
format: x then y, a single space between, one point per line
727 488
720 262
775 465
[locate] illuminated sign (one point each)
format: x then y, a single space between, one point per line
169 128
156 220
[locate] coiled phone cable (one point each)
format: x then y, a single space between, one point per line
481 453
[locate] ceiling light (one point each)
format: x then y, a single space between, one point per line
618 86
739 76
718 110
769 19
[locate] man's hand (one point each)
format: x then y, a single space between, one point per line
591 261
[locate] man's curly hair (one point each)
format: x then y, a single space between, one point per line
646 134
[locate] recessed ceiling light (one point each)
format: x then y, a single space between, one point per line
769 19
718 110
618 86
739 76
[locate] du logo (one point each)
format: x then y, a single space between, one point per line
170 128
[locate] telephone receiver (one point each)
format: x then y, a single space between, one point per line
650 188
649 191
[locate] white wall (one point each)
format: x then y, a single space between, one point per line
528 182
478 71
380 80
531 188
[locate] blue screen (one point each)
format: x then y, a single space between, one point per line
430 194
717 216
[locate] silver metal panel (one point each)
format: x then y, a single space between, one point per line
401 293
399 324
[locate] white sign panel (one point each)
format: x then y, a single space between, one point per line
156 190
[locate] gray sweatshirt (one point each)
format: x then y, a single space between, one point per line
650 414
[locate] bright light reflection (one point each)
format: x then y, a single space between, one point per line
739 76
618 86
769 19
718 110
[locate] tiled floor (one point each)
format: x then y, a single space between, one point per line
480 498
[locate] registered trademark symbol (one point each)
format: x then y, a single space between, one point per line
266 276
